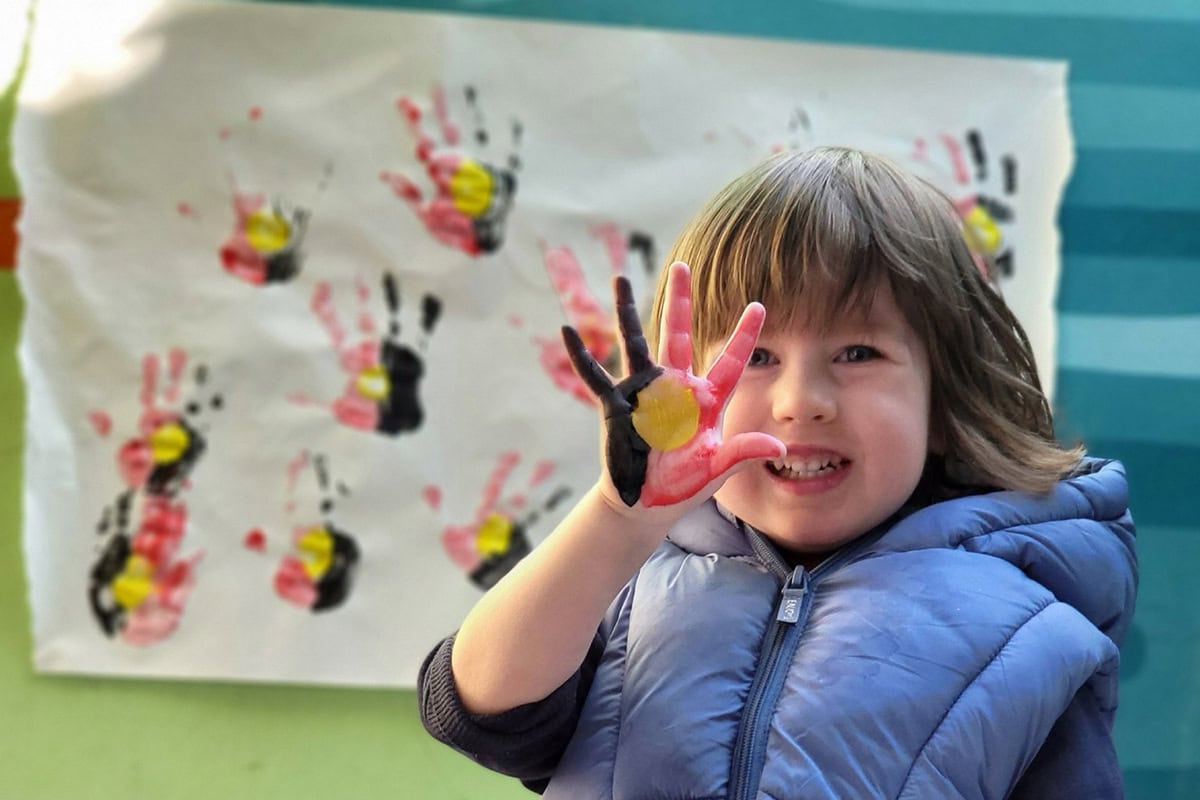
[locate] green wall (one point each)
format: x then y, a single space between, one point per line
1128 384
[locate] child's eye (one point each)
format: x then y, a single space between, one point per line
759 358
858 353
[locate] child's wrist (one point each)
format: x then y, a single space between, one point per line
636 522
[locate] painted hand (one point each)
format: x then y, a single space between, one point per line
663 422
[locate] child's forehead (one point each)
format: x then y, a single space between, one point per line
827 311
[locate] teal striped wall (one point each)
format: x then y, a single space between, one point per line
1129 339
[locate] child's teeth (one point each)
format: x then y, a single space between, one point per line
802 468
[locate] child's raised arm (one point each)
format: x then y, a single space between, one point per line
663 456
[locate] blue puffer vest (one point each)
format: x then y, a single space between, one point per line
929 660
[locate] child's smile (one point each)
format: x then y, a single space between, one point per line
851 403
809 472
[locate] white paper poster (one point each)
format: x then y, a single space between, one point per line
294 278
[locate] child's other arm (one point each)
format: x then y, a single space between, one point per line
531 631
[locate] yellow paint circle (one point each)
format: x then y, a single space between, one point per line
471 188
267 230
667 414
168 443
134 584
982 233
316 549
373 383
494 535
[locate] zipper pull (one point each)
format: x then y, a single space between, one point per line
793 596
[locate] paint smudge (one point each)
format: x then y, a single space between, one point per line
433 496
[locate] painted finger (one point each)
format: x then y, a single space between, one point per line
586 367
626 456
637 351
744 448
675 338
728 366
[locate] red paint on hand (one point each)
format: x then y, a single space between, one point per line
161 530
676 475
356 411
158 616
681 473
135 462
410 110
459 543
293 584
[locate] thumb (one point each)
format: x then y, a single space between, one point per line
739 451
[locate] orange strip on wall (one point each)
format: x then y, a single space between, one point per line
10 207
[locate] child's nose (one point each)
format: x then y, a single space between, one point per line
801 396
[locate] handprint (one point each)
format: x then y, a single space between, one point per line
383 372
662 421
320 571
983 201
492 543
581 307
264 246
472 200
319 568
137 588
267 240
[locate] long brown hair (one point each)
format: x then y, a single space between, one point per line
808 233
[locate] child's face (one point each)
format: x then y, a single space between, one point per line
852 406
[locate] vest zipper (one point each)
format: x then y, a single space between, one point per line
795 603
750 748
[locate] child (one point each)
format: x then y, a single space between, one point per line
870 571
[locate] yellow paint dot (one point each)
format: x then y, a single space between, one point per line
667 414
168 443
494 536
471 188
373 383
134 584
981 231
316 552
267 230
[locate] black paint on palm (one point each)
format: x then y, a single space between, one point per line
283 265
109 613
400 411
627 452
334 585
168 478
